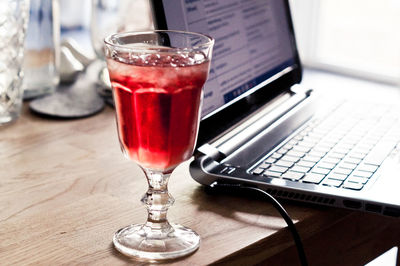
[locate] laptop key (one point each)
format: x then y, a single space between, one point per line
264 165
352 185
313 178
319 170
284 163
292 175
301 149
344 171
347 165
352 160
305 163
336 155
356 155
258 171
294 153
270 160
326 165
358 179
311 158
276 155
367 168
279 169
290 158
282 150
319 154
269 173
306 144
337 176
362 173
300 169
332 182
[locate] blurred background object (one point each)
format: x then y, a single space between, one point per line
84 79
13 22
112 16
42 45
358 38
75 15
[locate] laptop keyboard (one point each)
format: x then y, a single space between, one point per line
341 150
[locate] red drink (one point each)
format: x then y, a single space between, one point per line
157 99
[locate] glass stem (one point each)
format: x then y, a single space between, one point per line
157 200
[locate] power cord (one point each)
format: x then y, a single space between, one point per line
278 206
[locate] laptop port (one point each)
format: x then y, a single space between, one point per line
352 204
390 211
373 208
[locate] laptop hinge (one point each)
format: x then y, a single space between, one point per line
211 152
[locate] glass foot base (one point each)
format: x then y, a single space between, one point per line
140 242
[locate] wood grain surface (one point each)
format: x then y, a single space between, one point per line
65 188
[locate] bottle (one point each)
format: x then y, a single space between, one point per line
42 49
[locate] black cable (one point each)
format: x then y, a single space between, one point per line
282 211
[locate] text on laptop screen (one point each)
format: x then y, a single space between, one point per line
252 43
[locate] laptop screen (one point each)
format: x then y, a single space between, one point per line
253 44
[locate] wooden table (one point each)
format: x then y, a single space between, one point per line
65 188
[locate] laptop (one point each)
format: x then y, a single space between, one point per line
261 128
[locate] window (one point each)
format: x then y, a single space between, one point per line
357 37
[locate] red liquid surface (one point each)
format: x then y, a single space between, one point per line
157 105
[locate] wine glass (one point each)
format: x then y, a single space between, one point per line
157 79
